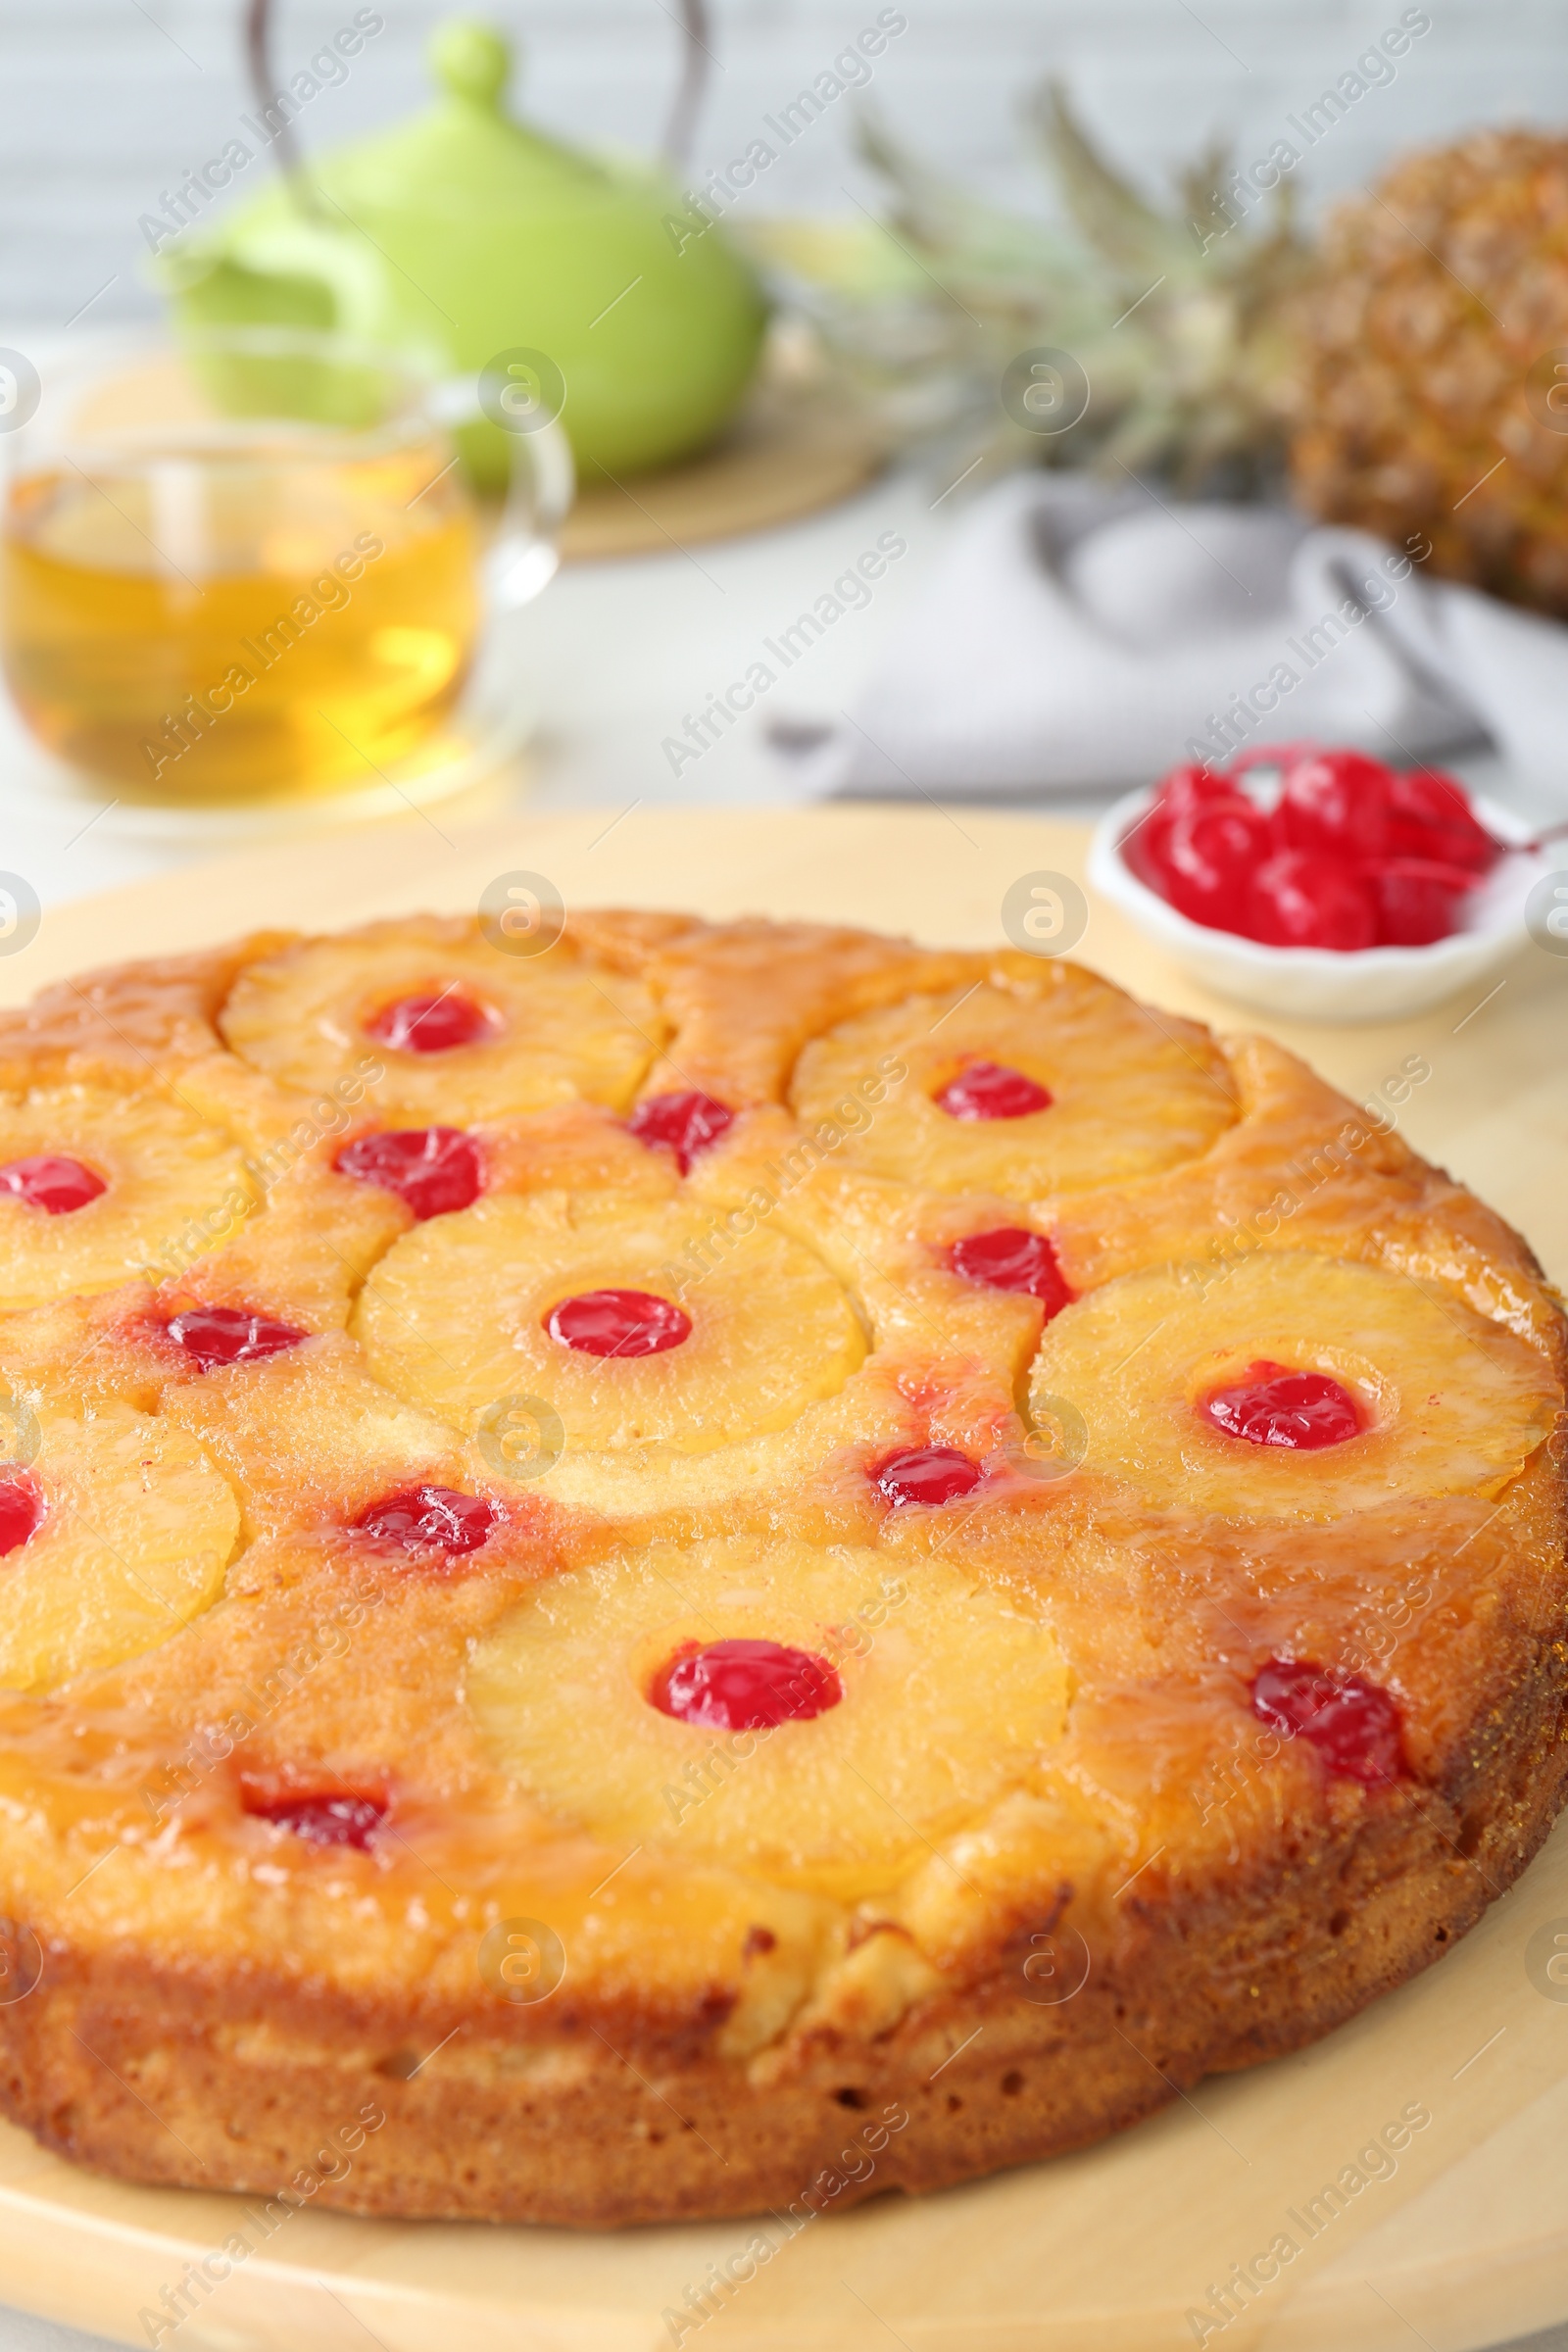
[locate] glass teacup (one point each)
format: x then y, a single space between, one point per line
246 570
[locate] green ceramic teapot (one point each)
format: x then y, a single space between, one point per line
462 237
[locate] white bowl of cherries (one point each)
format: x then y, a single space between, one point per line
1321 884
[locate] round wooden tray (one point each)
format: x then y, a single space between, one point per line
1108 2251
790 453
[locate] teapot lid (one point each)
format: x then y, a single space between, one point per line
467 156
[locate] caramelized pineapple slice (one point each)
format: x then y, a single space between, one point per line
461 1030
115 1535
470 1309
309 1441
97 1187
1106 1092
944 1698
1170 1369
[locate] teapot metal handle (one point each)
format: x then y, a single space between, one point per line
263 90
679 132
681 128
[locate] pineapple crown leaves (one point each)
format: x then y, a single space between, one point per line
1199 295
1133 240
1128 237
960 238
1177 310
1124 248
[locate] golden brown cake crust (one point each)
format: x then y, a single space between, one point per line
734 2026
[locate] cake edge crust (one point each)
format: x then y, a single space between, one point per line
133 2070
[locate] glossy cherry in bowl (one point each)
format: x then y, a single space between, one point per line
1335 984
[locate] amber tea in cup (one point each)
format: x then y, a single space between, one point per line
249 570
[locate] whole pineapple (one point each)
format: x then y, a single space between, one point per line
1429 396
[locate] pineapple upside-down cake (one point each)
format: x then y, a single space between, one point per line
645 1559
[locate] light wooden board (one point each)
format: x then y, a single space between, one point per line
1102 2252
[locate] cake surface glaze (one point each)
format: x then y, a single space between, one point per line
633 1557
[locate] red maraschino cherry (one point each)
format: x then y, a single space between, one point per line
684 1123
433 1170
745 1686
1354 1726
1302 898
990 1090
429 1519
1011 1258
323 1820
1430 816
1273 1405
927 1475
1336 803
21 1513
229 1335
51 1180
621 1323
1184 792
1417 900
1208 856
432 1023
1353 855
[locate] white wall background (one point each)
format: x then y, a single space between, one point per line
107 101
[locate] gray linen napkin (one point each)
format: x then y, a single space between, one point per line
1079 637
